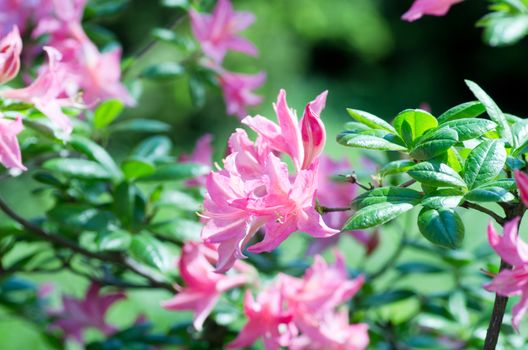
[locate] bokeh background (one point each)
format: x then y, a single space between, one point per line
359 50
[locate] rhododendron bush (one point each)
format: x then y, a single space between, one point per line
294 221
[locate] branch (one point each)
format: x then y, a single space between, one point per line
408 183
66 243
324 210
499 307
499 219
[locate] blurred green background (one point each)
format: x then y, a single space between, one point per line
359 50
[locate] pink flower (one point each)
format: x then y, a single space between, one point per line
286 137
237 89
428 7
335 194
10 49
203 287
202 154
218 33
265 318
14 13
10 155
313 301
47 91
514 251
522 184
79 314
333 332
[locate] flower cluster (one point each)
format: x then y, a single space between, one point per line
302 313
217 33
256 189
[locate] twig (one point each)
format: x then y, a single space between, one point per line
408 183
499 219
331 210
499 307
66 243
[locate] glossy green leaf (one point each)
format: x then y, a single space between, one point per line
436 175
197 91
182 230
443 198
434 144
96 153
484 163
176 172
504 27
129 205
81 217
515 163
153 148
149 251
370 120
113 240
78 168
417 267
367 142
489 194
413 123
465 110
140 126
392 195
468 129
375 215
493 110
164 71
397 166
134 168
106 113
443 227
386 298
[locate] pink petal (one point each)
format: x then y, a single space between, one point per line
428 7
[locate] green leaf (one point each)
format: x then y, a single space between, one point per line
370 120
164 71
350 139
78 168
176 172
458 308
386 298
154 148
489 194
465 110
134 168
81 217
436 175
113 240
413 123
443 227
182 230
129 205
149 251
356 127
417 267
493 110
106 113
397 166
375 215
522 149
468 129
392 195
443 198
178 199
96 153
504 28
140 125
484 163
434 144
197 91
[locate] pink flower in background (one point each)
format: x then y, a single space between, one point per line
80 314
203 287
333 332
14 13
522 184
10 155
334 194
10 49
47 91
428 7
218 32
514 251
237 89
202 154
265 319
